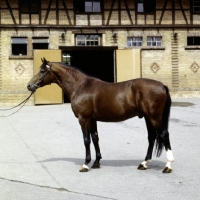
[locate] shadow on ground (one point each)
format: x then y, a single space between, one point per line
155 164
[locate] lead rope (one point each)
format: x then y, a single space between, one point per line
22 103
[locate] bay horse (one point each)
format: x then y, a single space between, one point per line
94 100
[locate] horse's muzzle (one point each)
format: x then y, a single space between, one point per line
32 88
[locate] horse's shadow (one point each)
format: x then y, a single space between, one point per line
155 164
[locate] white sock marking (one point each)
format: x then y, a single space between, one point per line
145 163
85 166
170 156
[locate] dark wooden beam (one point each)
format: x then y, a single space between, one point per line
11 13
183 26
40 13
57 13
184 15
128 11
163 10
191 12
103 13
67 13
111 10
48 10
173 12
119 12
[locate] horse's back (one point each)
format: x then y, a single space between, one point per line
120 101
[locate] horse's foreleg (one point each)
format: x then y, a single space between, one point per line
85 125
95 140
151 139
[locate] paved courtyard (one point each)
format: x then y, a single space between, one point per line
41 151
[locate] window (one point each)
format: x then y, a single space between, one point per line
92 6
154 41
87 40
31 6
192 41
19 46
134 41
146 6
196 6
87 5
140 6
40 43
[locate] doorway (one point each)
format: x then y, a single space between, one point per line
96 62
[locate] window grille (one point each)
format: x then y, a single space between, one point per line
134 41
192 41
154 41
87 40
196 6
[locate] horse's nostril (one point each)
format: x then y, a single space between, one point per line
29 87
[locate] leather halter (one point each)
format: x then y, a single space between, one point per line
49 66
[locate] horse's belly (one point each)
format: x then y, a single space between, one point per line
108 115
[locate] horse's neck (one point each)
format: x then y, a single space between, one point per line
70 80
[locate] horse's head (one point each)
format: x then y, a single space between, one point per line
43 77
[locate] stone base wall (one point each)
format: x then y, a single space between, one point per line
173 63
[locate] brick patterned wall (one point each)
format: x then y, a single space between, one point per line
174 65
157 64
0 63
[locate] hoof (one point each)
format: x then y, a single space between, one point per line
141 167
84 168
167 170
96 166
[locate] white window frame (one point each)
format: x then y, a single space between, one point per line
154 41
134 41
88 40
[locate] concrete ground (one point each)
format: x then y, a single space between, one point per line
41 151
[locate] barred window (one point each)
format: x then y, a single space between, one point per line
134 41
87 40
31 6
196 6
154 41
87 6
92 6
192 41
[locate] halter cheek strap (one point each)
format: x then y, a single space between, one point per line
49 66
42 78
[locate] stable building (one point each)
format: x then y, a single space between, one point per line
114 40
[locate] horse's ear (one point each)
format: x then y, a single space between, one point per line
45 61
42 60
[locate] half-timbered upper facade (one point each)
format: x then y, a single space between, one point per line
166 32
100 13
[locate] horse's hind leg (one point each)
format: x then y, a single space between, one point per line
170 158
162 140
95 140
151 139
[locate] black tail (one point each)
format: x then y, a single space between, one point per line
165 120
